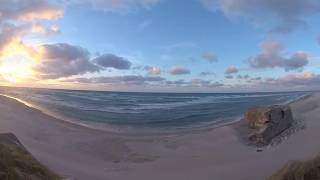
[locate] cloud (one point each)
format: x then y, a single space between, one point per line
305 81
194 83
229 77
112 61
285 15
39 29
306 78
231 70
9 33
31 10
19 18
243 76
217 84
256 79
156 81
124 80
210 57
270 57
119 6
273 55
12 34
179 71
64 60
300 81
204 83
153 70
206 73
298 60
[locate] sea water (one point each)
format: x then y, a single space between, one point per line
161 112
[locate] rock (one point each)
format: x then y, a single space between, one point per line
265 123
259 150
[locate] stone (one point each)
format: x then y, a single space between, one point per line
259 150
265 123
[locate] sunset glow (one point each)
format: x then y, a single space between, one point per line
16 68
134 46
17 62
159 89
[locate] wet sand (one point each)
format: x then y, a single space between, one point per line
83 153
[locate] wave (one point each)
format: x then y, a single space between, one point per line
130 103
118 112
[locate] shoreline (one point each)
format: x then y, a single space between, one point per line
76 151
208 126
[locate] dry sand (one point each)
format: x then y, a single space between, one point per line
217 154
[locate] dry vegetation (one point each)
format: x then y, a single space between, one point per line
17 164
306 170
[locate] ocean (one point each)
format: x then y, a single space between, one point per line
146 112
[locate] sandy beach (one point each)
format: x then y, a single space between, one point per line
83 153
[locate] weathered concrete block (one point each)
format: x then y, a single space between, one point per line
267 122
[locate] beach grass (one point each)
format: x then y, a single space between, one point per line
299 170
17 163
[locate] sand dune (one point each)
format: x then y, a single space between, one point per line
83 153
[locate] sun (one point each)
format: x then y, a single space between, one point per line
16 62
16 68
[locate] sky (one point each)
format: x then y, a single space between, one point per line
161 45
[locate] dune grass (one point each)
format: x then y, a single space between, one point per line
299 170
16 163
